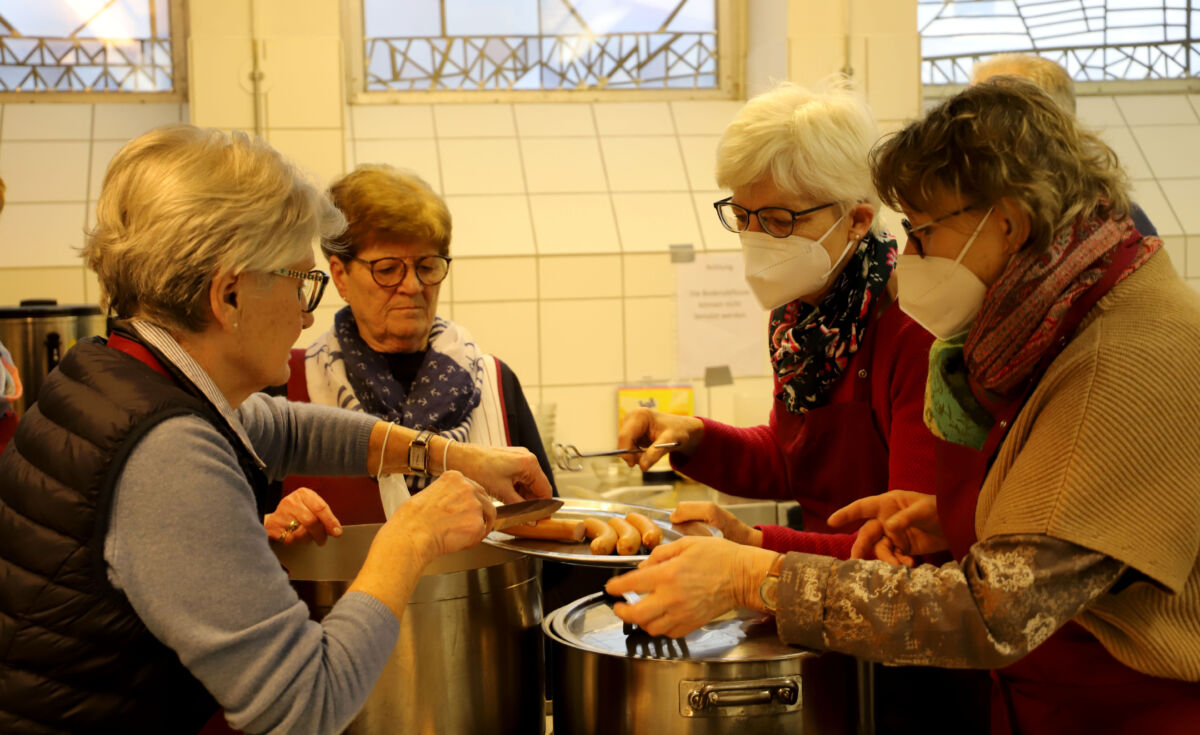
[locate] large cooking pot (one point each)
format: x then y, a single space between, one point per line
38 333
731 676
469 657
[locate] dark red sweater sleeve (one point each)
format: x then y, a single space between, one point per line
784 539
905 347
747 462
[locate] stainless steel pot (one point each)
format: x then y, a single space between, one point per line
469 658
731 676
38 333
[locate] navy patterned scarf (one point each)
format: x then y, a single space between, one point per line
811 345
441 397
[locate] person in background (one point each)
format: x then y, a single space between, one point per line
388 353
1054 80
849 366
139 588
1061 387
10 379
1046 74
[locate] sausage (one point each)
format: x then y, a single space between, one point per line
604 538
628 538
553 529
649 530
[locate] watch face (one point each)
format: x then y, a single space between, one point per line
418 451
768 592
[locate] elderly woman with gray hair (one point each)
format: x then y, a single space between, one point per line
849 366
139 588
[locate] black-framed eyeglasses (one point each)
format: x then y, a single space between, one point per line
911 232
312 286
387 272
775 221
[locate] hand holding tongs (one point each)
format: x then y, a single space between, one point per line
567 457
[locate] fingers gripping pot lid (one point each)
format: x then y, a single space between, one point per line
730 676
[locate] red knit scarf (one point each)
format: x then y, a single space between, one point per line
1022 310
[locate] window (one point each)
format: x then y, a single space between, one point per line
542 45
1094 40
84 46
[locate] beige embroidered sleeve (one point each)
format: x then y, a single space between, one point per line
1007 596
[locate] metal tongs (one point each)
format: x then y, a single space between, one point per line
568 457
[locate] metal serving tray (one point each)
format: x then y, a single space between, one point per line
580 553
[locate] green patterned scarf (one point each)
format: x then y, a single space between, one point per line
952 412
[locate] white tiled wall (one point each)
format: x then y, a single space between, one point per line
563 214
52 159
1157 138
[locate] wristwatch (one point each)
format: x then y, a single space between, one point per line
768 589
418 452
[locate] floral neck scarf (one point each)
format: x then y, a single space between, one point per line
811 346
1015 329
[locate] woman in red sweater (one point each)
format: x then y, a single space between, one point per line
849 366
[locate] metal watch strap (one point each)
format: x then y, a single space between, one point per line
768 589
418 452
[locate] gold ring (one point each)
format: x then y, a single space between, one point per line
288 529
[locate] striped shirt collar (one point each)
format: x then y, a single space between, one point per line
161 340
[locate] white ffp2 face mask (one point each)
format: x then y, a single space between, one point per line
782 269
940 294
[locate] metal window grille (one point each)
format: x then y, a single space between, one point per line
540 45
87 46
1094 40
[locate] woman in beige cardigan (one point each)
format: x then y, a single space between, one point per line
1062 388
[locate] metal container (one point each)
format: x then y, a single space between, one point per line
38 333
731 676
469 658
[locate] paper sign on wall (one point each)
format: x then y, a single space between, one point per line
719 320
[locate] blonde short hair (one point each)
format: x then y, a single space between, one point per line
1051 77
382 202
811 143
1004 138
181 204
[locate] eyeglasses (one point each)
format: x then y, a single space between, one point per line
312 286
387 272
911 232
775 221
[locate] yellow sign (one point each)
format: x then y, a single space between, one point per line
673 399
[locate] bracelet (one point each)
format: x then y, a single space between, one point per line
445 454
383 449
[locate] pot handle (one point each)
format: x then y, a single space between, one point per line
53 345
729 698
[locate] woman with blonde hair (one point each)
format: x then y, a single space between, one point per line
139 589
1061 387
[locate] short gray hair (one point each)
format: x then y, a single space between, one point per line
181 204
1050 76
813 143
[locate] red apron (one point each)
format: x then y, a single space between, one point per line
831 431
847 430
1070 683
